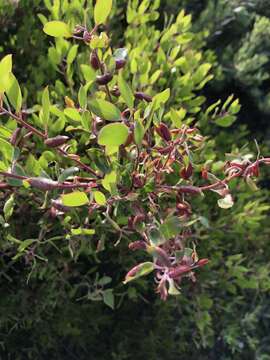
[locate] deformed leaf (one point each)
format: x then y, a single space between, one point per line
138 271
226 202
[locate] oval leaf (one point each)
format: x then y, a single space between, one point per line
113 134
100 198
5 71
102 11
76 198
105 110
57 29
125 91
14 93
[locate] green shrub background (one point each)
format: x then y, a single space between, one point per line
226 315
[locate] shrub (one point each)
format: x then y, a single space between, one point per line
112 155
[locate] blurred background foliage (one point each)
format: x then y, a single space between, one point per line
226 315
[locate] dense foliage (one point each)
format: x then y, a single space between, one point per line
115 155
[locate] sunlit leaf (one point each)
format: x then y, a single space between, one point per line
76 198
113 134
102 11
57 29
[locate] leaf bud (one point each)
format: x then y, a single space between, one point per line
94 60
186 172
104 79
43 183
56 141
142 96
119 63
137 245
164 132
15 135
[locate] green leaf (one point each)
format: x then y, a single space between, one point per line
82 231
156 237
139 132
161 98
76 198
82 97
140 270
14 94
105 109
102 11
100 198
9 207
251 183
171 227
5 71
225 121
57 29
113 134
108 298
226 202
24 244
89 73
109 181
125 91
46 106
6 149
73 114
173 289
111 149
86 120
67 173
72 54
